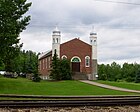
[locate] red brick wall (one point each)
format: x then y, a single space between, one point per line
71 48
78 48
44 65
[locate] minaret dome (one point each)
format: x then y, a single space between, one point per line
56 38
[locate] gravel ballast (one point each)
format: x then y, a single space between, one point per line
77 109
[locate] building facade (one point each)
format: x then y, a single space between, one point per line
83 56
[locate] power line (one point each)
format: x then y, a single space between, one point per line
127 3
87 26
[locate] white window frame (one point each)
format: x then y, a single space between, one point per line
87 64
75 57
64 57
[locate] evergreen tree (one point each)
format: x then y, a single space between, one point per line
12 22
60 69
55 71
36 78
65 70
1 65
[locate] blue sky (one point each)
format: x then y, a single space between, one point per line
117 26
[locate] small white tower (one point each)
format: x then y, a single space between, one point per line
56 38
93 43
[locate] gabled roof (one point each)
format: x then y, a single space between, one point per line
76 39
48 53
43 55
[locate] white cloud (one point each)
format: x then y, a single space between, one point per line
117 26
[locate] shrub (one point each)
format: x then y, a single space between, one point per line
36 78
137 79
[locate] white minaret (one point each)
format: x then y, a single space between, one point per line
93 43
56 38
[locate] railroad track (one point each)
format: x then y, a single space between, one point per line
62 101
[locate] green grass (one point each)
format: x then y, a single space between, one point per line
27 87
128 85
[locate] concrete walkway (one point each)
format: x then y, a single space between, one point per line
109 87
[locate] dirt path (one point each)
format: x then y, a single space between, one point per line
109 87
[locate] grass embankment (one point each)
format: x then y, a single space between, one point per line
27 87
127 85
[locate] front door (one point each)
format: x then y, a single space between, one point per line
75 64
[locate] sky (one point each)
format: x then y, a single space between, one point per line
116 22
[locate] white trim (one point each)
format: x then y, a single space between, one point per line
87 57
75 57
64 56
43 54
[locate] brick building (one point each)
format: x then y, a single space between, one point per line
83 56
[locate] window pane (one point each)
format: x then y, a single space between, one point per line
87 61
75 60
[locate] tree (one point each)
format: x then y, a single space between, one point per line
12 23
65 70
60 69
26 62
129 72
55 71
115 72
102 72
1 65
36 78
137 80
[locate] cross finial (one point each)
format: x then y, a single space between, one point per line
92 31
92 28
56 27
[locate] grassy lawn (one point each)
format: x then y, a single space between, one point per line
128 85
25 86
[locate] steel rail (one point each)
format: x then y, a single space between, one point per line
74 102
63 97
75 99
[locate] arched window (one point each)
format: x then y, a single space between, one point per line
87 61
57 40
75 64
75 59
64 57
53 40
94 42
